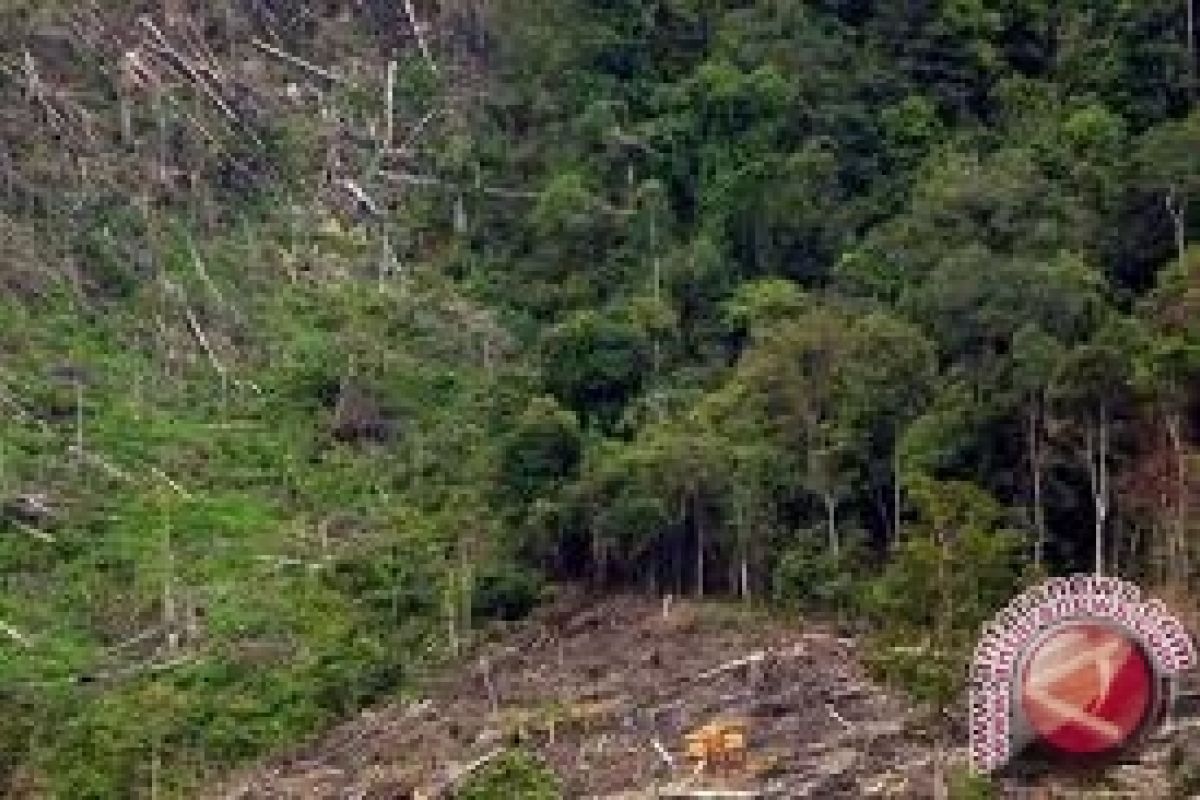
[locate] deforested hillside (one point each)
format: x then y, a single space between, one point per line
332 333
602 696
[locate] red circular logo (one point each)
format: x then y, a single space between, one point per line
1087 689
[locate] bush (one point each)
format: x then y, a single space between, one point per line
966 785
506 592
515 775
957 567
809 577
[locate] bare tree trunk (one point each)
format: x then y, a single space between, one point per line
466 588
1102 468
1177 208
1191 48
831 523
419 32
1093 482
700 543
155 767
1035 476
679 558
79 455
451 618
1181 558
944 612
742 577
454 594
390 124
168 589
895 495
596 555
1096 452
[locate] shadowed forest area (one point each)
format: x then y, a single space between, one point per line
333 332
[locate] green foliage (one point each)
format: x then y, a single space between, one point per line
808 576
543 452
966 785
516 775
595 363
956 568
506 591
655 288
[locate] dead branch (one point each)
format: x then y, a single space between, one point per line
458 775
137 669
23 414
34 532
389 135
416 130
104 464
414 179
288 561
298 62
834 713
136 639
364 200
35 87
419 32
198 332
729 666
209 283
705 794
664 754
162 476
176 59
15 634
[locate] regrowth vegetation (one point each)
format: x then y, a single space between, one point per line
330 330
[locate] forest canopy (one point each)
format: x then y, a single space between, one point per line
330 331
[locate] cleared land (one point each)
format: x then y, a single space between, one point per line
605 693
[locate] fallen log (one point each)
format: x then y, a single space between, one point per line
729 666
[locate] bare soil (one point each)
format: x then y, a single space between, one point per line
604 692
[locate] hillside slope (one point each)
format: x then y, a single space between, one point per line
333 330
592 686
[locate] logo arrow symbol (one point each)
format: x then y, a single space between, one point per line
1067 657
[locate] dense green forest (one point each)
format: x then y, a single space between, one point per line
330 331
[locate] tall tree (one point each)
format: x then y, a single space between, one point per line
795 369
1035 356
1089 387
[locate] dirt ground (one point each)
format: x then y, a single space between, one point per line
605 691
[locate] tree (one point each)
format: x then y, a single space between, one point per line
890 373
1167 366
595 363
1090 384
541 453
1035 356
1167 163
759 471
957 569
796 371
651 505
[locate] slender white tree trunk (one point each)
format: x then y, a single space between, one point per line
1096 452
1035 474
1181 557
168 588
1191 46
700 544
895 495
831 523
